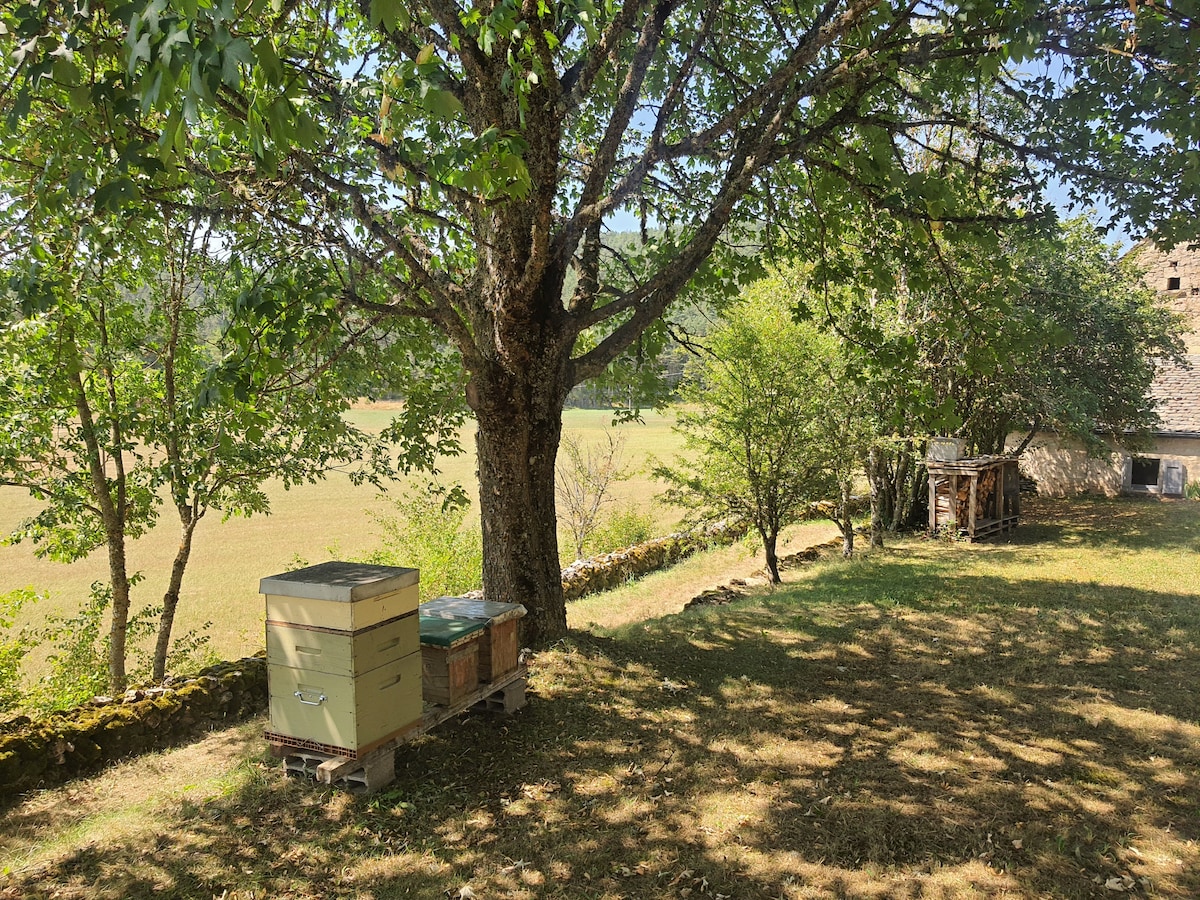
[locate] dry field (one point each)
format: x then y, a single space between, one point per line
329 519
1016 719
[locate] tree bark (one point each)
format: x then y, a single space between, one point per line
519 414
880 499
112 512
770 540
166 621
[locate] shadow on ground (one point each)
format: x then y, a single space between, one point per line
900 728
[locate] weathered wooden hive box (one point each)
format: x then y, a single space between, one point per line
343 667
499 647
449 658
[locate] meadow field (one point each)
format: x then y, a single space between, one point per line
1011 719
326 520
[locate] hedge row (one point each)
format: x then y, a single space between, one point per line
84 740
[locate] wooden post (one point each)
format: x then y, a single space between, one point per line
933 522
972 491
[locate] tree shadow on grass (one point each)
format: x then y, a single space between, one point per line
770 748
904 728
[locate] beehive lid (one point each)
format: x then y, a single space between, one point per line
344 582
447 632
487 611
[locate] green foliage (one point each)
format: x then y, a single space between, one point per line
77 665
1192 490
772 422
13 646
425 530
78 662
982 336
619 528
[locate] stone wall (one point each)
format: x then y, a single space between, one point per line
84 740
610 570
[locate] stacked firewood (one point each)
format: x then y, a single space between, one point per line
983 494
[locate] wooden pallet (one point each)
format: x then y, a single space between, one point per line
377 768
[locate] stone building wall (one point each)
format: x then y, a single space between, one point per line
1061 468
1176 276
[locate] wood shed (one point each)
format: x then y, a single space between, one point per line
975 497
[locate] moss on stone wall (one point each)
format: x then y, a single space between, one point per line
610 570
81 741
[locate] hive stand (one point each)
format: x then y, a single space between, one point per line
369 772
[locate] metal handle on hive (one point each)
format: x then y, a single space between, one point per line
320 699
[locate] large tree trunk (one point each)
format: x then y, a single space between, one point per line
882 506
520 424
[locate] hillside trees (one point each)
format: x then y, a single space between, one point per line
468 155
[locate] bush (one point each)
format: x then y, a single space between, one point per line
626 526
426 532
77 667
13 647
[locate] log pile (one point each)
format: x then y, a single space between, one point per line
984 491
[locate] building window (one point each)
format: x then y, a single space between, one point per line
1173 284
1173 264
1145 471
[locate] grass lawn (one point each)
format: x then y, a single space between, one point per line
329 519
1012 719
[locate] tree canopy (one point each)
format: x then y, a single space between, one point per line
452 161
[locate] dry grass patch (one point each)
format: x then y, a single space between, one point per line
936 721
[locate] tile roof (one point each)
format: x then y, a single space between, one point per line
1176 392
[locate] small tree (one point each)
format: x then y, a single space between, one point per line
583 478
135 368
764 421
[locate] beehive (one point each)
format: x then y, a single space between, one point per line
499 647
449 658
342 664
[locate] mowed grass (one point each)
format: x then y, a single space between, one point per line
1016 719
326 520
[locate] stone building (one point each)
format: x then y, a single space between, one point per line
1173 460
1176 276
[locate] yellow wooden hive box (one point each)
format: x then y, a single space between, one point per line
343 660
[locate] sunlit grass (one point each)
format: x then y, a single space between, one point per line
312 523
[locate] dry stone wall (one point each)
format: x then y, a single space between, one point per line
610 570
84 740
